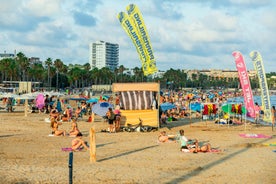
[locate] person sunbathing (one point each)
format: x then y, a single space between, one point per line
54 126
191 145
74 128
78 143
188 145
78 112
164 137
205 148
67 114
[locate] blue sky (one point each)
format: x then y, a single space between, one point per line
185 34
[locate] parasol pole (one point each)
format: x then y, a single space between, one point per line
26 107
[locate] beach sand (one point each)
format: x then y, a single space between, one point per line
29 155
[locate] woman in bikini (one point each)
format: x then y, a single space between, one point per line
54 126
74 128
78 143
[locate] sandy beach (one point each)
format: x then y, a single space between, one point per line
29 155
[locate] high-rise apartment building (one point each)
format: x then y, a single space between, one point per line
103 54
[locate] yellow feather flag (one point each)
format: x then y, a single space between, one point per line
132 32
138 21
259 67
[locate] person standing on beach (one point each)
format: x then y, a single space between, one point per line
273 113
46 104
257 112
110 116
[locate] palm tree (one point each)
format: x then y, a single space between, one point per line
136 71
86 69
59 65
37 72
23 63
75 75
94 73
5 65
12 69
49 63
121 71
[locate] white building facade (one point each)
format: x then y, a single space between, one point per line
103 54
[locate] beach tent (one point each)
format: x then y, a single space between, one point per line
138 101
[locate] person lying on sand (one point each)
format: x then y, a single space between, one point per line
164 137
191 145
78 143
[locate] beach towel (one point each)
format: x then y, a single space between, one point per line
70 149
211 151
270 144
255 136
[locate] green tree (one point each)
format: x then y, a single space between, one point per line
49 63
24 64
59 68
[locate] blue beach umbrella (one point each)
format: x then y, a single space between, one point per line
105 97
92 100
167 106
101 108
196 106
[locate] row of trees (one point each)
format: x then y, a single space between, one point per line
54 73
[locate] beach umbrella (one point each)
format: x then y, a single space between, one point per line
101 108
92 100
78 99
167 106
9 95
40 101
105 97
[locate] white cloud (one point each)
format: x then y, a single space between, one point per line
40 8
184 34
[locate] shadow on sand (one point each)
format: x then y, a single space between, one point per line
203 168
127 153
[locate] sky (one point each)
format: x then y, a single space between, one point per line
184 34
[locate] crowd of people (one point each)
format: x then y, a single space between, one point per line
184 100
60 112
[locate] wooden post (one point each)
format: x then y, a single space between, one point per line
26 107
92 145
